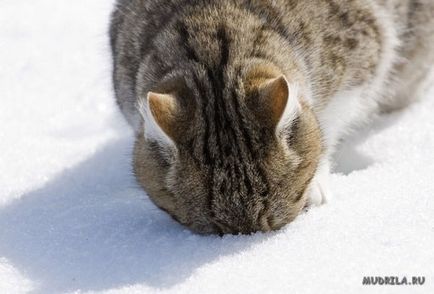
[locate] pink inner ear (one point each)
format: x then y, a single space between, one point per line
163 108
275 93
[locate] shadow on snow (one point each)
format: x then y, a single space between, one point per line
92 228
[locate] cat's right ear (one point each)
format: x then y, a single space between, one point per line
160 113
277 102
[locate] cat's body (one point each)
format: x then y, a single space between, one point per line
237 105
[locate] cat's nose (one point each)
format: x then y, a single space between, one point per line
250 229
236 229
245 226
253 230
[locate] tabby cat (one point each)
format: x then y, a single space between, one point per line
237 105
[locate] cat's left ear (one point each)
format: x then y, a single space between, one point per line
277 102
161 114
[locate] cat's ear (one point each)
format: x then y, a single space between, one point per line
161 112
278 102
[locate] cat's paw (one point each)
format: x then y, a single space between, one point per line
319 190
319 193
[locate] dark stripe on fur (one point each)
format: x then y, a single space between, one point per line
184 37
271 17
204 104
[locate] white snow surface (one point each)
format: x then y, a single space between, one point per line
73 220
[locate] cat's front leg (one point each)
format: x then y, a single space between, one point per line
319 190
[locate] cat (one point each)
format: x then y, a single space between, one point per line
238 105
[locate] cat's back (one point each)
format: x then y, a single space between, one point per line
337 36
132 16
131 21
136 26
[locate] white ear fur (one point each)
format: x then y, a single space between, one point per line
152 131
292 108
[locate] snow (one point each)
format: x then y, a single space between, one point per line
72 219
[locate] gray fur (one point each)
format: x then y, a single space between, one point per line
228 171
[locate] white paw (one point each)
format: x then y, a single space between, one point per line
319 191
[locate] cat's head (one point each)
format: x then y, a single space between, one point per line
228 153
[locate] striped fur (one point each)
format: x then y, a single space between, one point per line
227 160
